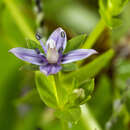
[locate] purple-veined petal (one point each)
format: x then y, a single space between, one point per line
29 55
50 69
78 54
58 39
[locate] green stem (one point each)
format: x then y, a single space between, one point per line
94 34
88 119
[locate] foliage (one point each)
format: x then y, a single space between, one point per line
30 100
110 10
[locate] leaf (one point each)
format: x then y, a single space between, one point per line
33 45
91 69
75 42
111 21
69 67
45 89
81 94
70 115
88 87
116 6
61 94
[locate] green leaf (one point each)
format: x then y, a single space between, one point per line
33 45
61 93
81 94
116 6
110 20
70 115
75 42
69 67
88 87
45 88
91 69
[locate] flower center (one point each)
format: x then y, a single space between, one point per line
52 53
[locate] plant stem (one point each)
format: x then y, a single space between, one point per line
88 120
94 34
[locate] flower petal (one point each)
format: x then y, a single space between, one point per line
78 54
58 37
50 69
29 55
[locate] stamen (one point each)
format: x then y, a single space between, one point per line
38 37
51 43
52 54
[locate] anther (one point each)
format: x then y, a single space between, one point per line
62 34
38 36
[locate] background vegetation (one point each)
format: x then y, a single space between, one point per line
109 107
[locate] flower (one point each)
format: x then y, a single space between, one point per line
50 62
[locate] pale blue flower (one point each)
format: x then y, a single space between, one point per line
50 62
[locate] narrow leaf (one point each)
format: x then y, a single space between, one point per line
29 67
90 69
81 94
88 87
69 67
75 42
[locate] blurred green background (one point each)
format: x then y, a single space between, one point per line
20 105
